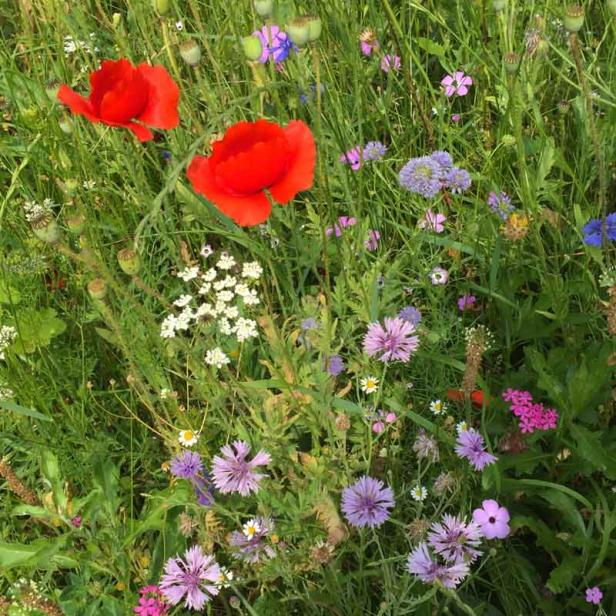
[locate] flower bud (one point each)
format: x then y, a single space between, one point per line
543 48
253 47
129 261
161 6
611 7
65 124
76 223
46 229
264 8
116 18
190 52
574 17
512 62
314 28
299 30
499 5
508 140
51 89
97 289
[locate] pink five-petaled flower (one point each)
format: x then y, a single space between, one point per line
393 341
353 157
389 63
594 595
493 519
233 473
457 83
150 603
432 221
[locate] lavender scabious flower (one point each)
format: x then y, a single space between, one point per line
186 465
470 445
443 158
428 570
500 204
593 230
193 578
334 365
367 502
410 314
253 548
393 341
422 176
374 150
309 323
456 541
457 180
233 473
372 243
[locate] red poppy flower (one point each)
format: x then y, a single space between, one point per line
251 158
477 397
128 96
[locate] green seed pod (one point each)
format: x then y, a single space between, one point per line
299 31
46 229
508 140
574 17
543 48
51 89
97 289
499 5
611 7
65 124
253 47
75 224
512 62
264 8
161 6
314 28
190 52
129 261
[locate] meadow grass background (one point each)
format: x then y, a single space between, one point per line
87 430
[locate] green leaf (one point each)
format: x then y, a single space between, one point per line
431 47
514 485
590 447
22 410
9 295
562 576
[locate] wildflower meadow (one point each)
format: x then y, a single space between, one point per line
307 307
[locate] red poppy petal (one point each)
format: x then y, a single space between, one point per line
76 103
246 210
477 398
106 77
302 157
242 136
141 132
163 95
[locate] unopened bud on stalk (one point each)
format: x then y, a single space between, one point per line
499 5
512 62
264 8
76 223
97 289
574 17
65 124
129 261
46 228
51 89
190 52
253 47
299 30
314 28
161 6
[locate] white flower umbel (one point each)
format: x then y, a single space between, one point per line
7 337
252 270
225 262
245 328
216 357
189 273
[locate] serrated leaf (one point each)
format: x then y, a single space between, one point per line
562 576
431 47
590 447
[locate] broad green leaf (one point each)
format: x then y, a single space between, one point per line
591 449
22 410
562 576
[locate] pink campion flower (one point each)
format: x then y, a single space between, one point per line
372 243
233 473
392 341
493 519
389 63
432 221
353 157
594 595
439 275
150 602
383 418
466 302
455 117
457 83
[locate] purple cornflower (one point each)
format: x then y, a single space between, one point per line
493 520
501 204
428 570
194 577
457 180
466 302
432 221
470 445
443 158
455 540
422 176
186 465
456 83
352 157
202 485
232 473
393 341
372 243
390 62
367 502
410 314
150 603
274 42
594 595
334 365
593 230
374 150
252 547
343 223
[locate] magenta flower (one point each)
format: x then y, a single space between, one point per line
393 341
233 473
466 302
367 502
421 564
389 63
150 602
368 42
353 157
343 223
455 117
457 83
372 243
531 416
594 595
493 519
382 420
432 221
470 445
193 579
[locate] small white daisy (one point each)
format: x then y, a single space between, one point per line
461 427
251 528
369 384
225 262
438 407
188 438
252 270
224 578
182 301
216 357
189 273
419 493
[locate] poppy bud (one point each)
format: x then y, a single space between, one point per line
253 48
75 224
129 262
299 31
190 52
51 89
65 124
574 17
499 5
161 6
512 62
314 28
115 20
264 8
97 289
611 7
542 48
46 229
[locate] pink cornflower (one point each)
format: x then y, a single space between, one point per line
466 302
594 595
471 446
421 564
457 83
390 62
432 221
353 157
455 540
150 602
493 519
233 473
392 341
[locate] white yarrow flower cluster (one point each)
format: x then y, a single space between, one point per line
7 336
35 211
216 357
6 393
71 45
